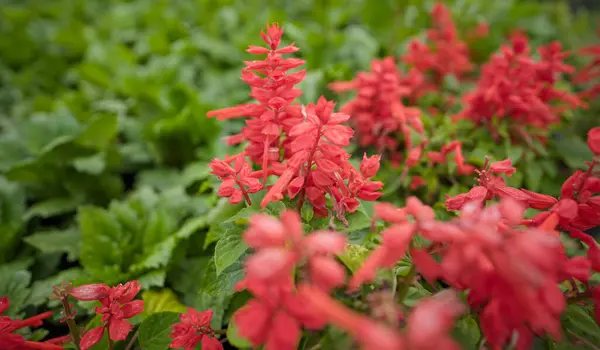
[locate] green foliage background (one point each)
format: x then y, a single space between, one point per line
104 140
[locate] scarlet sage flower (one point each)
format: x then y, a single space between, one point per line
238 180
452 147
490 186
276 316
593 140
444 53
11 341
319 165
117 305
193 328
377 111
516 88
590 73
272 86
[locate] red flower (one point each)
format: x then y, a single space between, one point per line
590 73
593 140
11 341
515 87
239 175
377 111
193 328
117 305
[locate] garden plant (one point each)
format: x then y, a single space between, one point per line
381 175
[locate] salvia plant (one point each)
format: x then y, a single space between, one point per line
314 252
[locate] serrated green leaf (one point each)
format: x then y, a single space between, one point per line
229 249
14 284
467 333
154 278
533 176
154 330
161 301
222 285
101 243
67 241
357 221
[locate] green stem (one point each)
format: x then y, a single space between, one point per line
405 284
132 341
110 344
73 329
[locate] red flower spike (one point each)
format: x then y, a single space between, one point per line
117 305
514 87
194 327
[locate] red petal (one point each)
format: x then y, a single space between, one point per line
119 329
90 292
4 304
91 338
133 308
209 343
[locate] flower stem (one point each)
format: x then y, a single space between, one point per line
406 283
73 329
132 341
110 344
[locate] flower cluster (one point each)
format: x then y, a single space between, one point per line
193 328
377 111
516 87
9 340
444 53
275 317
590 73
116 306
301 145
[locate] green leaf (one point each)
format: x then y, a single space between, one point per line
354 256
235 338
357 221
222 285
307 212
67 241
161 301
14 285
154 330
580 324
154 278
467 333
52 207
533 176
229 249
42 289
101 243
93 165
573 151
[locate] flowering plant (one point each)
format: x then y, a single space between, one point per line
434 207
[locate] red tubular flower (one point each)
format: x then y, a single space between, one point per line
514 86
194 327
593 140
446 53
377 111
238 180
319 165
590 73
117 305
11 341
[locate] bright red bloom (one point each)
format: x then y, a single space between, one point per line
194 327
377 110
593 140
11 341
489 187
319 166
452 147
117 305
446 54
238 180
590 73
513 86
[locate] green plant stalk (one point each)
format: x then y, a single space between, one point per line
405 284
73 329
